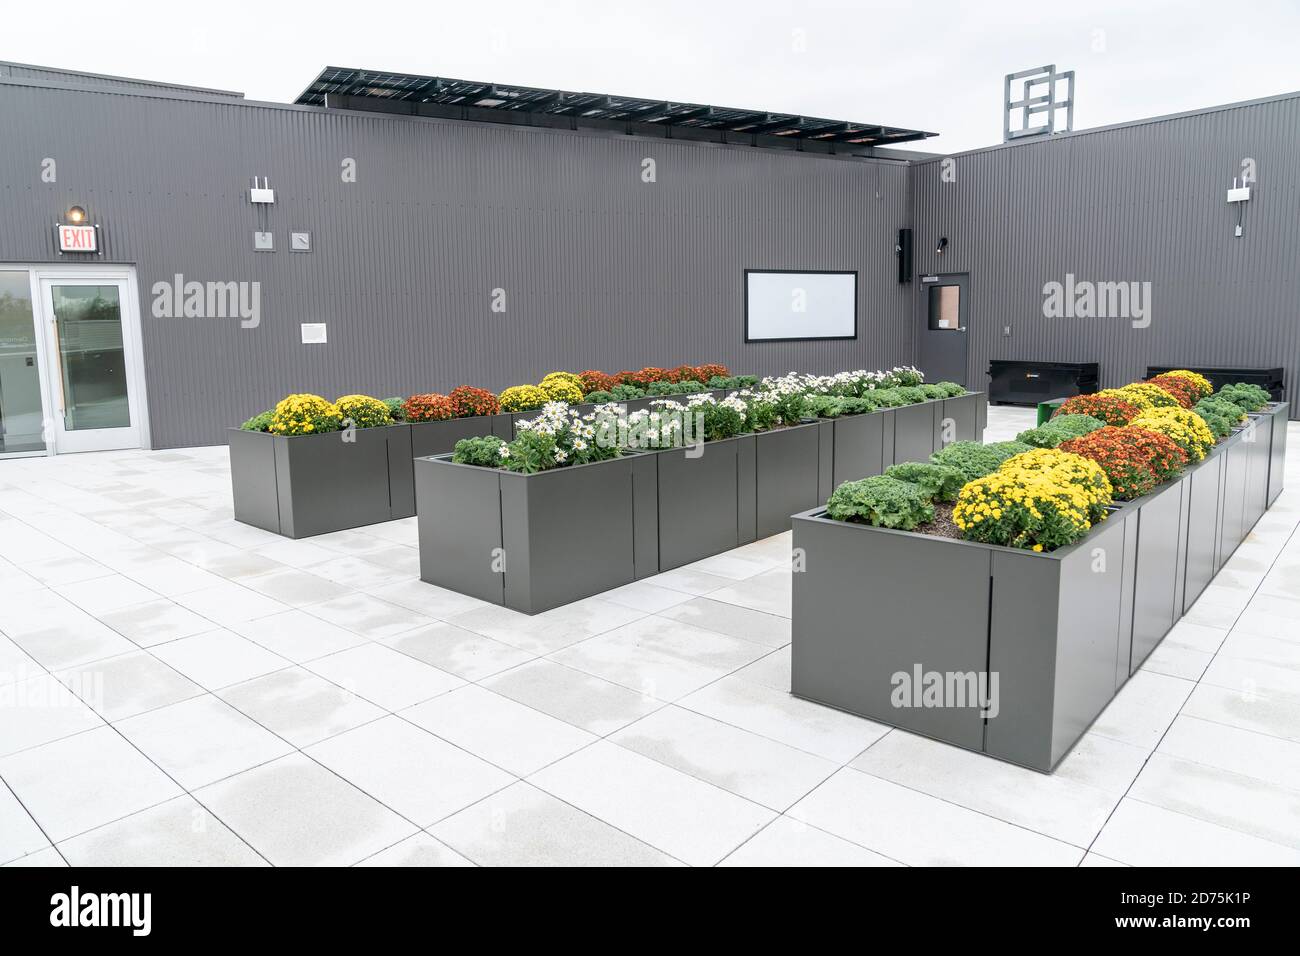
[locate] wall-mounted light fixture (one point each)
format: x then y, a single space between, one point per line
261 192
942 247
76 215
1239 195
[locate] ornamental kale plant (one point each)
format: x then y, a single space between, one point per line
1250 397
881 501
484 452
975 460
683 387
938 481
732 381
260 422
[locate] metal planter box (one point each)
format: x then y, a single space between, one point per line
792 473
1277 449
304 485
706 502
1055 635
439 438
532 542
865 445
876 610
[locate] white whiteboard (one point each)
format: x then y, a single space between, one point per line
800 305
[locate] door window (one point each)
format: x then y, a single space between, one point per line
945 308
92 361
21 421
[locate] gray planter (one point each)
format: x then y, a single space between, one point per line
959 419
305 485
439 438
865 445
1258 444
789 466
858 447
1277 449
1204 511
875 603
706 504
1156 549
534 542
1061 632
910 432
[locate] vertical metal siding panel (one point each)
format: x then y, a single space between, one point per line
1142 202
600 269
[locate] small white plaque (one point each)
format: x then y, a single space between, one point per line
313 333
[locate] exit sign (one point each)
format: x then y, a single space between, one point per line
77 239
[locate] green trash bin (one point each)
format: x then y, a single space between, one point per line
1048 408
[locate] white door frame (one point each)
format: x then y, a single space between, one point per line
132 347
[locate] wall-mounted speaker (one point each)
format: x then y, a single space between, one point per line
903 249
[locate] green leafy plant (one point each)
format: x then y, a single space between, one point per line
260 422
952 389
888 397
395 409
975 460
1222 406
933 391
833 406
732 381
911 394
1044 436
939 481
1059 429
684 387
881 501
1250 397
484 452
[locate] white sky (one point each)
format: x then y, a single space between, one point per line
935 65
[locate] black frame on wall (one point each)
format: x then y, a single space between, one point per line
744 309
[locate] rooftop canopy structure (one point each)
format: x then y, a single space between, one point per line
381 91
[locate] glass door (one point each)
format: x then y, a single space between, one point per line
22 419
90 364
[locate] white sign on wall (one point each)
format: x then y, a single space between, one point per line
784 306
313 333
77 239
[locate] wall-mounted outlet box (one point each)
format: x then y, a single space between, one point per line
263 242
313 333
1238 194
1006 330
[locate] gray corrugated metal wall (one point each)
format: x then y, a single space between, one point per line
600 269
1144 202
25 71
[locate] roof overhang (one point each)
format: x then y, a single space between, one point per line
403 93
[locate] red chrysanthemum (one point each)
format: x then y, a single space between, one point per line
1180 388
430 407
593 381
468 402
1108 408
1134 459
